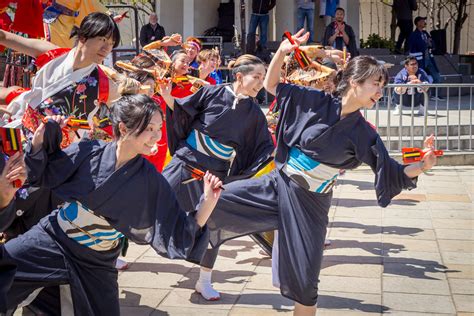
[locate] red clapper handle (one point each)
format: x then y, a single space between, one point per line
196 174
11 142
301 57
411 155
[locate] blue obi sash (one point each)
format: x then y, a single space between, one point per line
309 173
209 147
82 225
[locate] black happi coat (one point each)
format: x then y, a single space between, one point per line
311 122
134 199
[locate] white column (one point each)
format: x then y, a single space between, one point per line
285 18
158 9
188 18
352 16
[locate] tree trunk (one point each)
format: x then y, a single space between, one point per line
393 25
460 19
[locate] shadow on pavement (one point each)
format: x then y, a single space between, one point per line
374 229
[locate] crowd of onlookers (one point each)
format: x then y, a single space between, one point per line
420 66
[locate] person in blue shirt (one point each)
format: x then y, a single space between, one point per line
411 74
305 11
420 46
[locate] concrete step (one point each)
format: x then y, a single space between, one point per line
464 142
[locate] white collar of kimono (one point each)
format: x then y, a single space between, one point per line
52 78
237 97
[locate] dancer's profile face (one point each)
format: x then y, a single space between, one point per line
252 82
96 49
369 92
151 83
181 65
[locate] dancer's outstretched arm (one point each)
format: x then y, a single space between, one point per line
28 46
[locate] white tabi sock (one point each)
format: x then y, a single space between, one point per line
204 286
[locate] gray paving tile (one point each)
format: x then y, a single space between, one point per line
392 232
418 255
407 222
264 300
453 223
188 311
221 281
405 244
405 313
247 311
261 282
452 214
406 213
419 303
330 312
136 311
459 286
190 299
458 258
342 284
439 205
458 234
350 247
141 297
460 271
146 279
417 286
350 302
416 269
354 212
464 303
351 269
463 246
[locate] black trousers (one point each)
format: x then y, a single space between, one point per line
406 27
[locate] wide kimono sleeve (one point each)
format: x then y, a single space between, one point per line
50 166
390 177
256 153
176 232
138 201
179 120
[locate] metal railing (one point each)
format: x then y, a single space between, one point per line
449 120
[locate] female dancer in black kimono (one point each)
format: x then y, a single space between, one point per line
317 134
220 129
110 191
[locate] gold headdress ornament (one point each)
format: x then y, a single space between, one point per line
315 75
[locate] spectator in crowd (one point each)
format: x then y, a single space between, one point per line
260 18
305 11
420 45
404 10
208 62
152 31
411 74
339 34
193 46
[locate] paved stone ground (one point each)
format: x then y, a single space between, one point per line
413 258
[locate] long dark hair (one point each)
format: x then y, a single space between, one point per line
359 69
97 24
135 111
